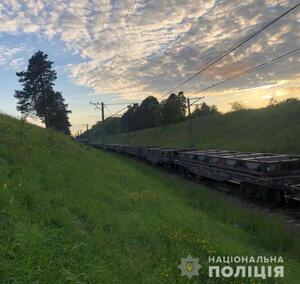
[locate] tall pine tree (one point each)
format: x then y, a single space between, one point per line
37 98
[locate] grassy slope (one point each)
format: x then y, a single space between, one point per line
275 129
70 214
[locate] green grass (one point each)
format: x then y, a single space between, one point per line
273 129
71 214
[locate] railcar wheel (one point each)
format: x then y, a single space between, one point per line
246 191
267 194
279 199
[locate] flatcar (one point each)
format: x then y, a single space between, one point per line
263 176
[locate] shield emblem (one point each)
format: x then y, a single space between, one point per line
189 266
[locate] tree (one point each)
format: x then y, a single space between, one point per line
37 98
112 125
145 115
273 102
174 108
237 106
158 115
58 113
205 109
129 119
291 101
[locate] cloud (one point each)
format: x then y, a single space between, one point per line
11 57
165 41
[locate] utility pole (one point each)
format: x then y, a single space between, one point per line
190 124
103 124
102 117
87 132
101 107
128 133
192 141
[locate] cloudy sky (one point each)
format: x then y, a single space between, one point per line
123 50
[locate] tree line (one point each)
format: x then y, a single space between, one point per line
38 97
151 113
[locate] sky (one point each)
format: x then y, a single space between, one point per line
98 57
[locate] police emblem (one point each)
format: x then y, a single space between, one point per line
189 266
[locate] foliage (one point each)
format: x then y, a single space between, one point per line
58 118
129 120
204 110
273 102
140 116
37 98
158 114
146 113
238 106
174 108
289 101
112 126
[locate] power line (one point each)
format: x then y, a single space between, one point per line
127 19
97 106
120 104
257 67
231 49
103 106
104 13
108 109
118 112
196 99
129 13
220 57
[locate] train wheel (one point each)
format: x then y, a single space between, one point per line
279 199
268 195
245 191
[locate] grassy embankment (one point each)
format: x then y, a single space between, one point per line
273 129
70 214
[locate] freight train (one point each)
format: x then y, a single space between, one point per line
266 177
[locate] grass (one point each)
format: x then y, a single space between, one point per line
71 214
273 129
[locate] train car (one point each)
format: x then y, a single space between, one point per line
132 150
270 175
82 139
258 175
160 156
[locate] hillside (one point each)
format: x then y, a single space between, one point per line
72 214
273 129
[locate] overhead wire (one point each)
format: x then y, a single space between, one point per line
108 109
257 67
231 49
127 19
104 14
